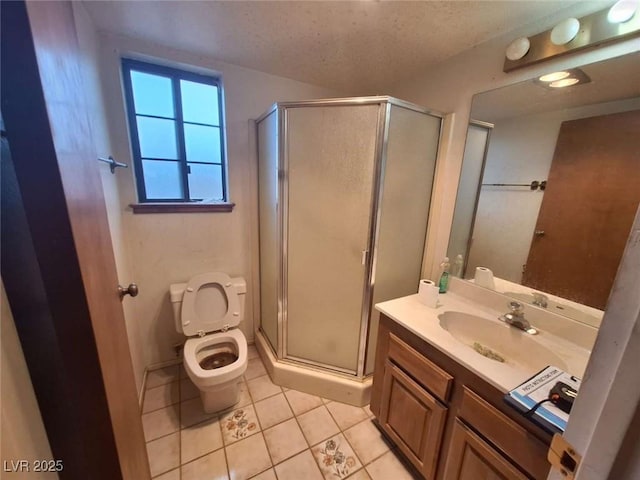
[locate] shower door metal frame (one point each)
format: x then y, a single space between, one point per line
379 159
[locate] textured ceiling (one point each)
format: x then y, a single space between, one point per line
613 79
353 46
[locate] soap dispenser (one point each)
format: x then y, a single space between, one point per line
443 284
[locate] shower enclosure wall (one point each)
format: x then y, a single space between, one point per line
344 194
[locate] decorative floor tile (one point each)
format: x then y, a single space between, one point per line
317 425
160 397
302 402
164 454
255 368
336 458
200 439
284 440
192 412
162 376
209 467
160 422
366 440
273 410
387 467
188 390
346 415
238 424
247 457
300 467
262 387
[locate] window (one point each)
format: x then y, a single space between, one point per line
177 135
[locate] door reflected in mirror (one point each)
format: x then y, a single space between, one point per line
564 240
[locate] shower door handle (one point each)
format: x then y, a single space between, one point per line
364 256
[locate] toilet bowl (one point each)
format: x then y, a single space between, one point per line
208 309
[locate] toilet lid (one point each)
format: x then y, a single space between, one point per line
210 303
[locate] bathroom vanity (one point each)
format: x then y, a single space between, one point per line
441 402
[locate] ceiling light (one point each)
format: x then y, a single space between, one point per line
565 31
518 48
552 77
565 82
622 11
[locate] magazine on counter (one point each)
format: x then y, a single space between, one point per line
536 389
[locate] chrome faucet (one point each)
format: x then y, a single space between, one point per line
540 300
516 319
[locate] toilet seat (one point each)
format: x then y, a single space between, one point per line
203 378
196 316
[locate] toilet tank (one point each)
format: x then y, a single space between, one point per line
176 291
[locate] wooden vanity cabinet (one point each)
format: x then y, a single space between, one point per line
448 422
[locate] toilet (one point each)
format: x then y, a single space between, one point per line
208 309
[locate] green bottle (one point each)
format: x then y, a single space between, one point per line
444 275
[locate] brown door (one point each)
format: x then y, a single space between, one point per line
68 314
588 208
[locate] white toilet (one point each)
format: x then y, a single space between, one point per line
208 309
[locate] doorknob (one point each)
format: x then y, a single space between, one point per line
132 290
539 233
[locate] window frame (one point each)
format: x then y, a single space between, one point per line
175 75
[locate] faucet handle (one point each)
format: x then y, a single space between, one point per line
516 307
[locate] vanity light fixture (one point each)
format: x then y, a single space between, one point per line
612 24
622 11
564 78
565 31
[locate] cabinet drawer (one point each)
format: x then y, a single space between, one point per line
425 372
514 441
413 419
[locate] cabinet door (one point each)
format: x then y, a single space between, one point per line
412 418
471 458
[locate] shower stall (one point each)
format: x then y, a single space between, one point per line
344 194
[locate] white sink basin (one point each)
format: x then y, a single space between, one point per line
499 342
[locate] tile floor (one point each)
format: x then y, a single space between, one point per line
272 433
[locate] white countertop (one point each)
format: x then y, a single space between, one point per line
424 322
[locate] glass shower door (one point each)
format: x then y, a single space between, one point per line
330 168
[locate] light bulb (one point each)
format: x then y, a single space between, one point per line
565 82
552 77
622 11
518 48
565 31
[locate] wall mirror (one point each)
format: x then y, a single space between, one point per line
563 238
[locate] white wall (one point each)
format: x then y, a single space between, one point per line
170 248
89 47
22 432
450 86
520 150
